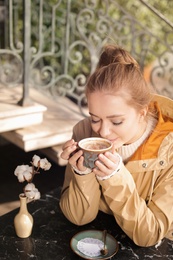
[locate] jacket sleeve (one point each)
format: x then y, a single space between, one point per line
80 197
144 224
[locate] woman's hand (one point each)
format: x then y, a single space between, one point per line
107 164
73 155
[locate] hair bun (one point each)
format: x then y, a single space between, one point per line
116 55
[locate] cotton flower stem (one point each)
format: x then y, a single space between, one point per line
33 173
36 172
27 173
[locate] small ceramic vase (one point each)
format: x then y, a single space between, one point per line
23 221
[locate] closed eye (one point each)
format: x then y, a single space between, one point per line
117 123
95 121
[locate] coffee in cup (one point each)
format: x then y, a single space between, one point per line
92 147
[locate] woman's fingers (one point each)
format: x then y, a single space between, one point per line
73 160
69 147
68 144
109 160
106 164
73 154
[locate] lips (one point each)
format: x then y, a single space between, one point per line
114 140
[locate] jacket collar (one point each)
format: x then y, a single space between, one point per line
149 149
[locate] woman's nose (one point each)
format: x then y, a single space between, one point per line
104 130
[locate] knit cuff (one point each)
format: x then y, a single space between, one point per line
87 171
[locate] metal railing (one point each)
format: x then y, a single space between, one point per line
54 45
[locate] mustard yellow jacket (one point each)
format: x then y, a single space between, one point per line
140 195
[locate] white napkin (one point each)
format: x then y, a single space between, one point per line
90 246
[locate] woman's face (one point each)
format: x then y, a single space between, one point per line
114 119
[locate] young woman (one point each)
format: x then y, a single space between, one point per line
135 182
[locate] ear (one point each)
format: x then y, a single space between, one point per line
143 113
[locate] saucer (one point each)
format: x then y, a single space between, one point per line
96 235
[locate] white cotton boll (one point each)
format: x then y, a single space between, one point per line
31 191
30 186
20 177
37 195
44 164
28 174
30 194
36 160
20 172
20 169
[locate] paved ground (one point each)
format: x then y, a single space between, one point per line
10 157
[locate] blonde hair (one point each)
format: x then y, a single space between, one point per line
117 71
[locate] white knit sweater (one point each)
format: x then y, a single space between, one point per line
126 151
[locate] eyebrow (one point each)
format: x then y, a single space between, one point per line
111 116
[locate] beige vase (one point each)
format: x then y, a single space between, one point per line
23 221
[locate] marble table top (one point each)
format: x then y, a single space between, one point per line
52 232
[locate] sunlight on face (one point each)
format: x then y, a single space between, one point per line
113 118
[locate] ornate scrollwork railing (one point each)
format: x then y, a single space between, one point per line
66 37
